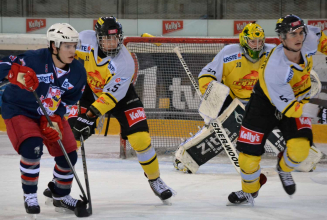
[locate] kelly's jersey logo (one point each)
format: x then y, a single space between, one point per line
248 81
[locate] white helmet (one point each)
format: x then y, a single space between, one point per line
61 32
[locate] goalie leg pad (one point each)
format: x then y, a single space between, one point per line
310 163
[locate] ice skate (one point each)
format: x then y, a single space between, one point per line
31 205
240 197
161 190
286 178
48 196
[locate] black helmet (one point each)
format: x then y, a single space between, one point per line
289 23
107 26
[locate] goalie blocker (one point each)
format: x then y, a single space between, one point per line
204 145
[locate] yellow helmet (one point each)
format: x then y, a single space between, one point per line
252 31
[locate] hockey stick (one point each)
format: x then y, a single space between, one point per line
216 124
84 198
107 125
86 176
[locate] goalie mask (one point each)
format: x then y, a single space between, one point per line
109 35
252 40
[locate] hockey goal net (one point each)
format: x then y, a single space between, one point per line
169 99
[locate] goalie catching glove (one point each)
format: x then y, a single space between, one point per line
53 134
23 76
83 126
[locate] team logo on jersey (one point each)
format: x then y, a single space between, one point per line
85 47
135 115
67 85
95 81
303 122
232 57
12 58
111 66
250 137
298 86
51 101
46 78
248 81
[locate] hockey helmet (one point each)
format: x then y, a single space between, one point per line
108 27
289 23
61 32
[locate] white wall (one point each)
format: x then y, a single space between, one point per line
136 27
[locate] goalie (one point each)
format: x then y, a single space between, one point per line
237 67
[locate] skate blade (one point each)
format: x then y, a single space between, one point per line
63 210
236 204
31 216
167 202
48 201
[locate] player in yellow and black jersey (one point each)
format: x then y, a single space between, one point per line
280 98
110 69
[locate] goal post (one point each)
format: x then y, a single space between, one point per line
169 99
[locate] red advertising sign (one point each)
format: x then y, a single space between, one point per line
239 25
171 26
318 23
35 24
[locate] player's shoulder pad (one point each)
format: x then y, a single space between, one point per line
277 69
124 60
312 40
231 52
77 69
34 57
88 41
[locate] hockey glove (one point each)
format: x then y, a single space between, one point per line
83 126
53 134
23 76
323 115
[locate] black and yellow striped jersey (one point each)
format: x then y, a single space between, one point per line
286 84
232 68
109 78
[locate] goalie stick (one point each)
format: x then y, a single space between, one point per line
216 124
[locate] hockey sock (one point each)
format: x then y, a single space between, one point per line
250 172
62 174
146 154
30 150
296 152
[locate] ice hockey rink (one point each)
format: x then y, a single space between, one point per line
120 191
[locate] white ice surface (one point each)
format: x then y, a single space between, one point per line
120 191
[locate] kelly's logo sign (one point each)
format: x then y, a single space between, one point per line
239 25
171 26
35 24
318 23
